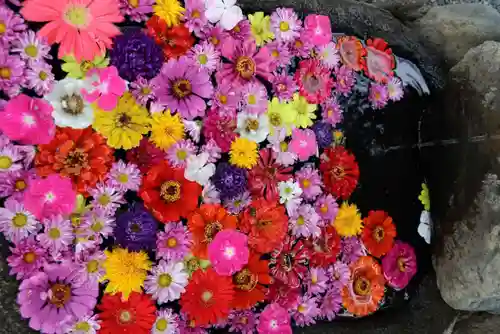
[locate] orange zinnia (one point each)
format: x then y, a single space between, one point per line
81 154
249 283
379 233
365 288
205 223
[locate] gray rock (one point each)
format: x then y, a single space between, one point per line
477 323
454 29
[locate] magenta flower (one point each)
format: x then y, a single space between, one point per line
12 25
274 319
303 143
378 95
51 297
57 235
137 11
174 243
339 274
205 55
11 73
27 257
254 98
301 47
284 86
226 98
195 16
331 304
316 281
310 181
332 112
352 250
327 207
243 321
142 89
178 153
285 24
304 222
228 252
280 54
16 223
318 29
345 80
14 184
106 197
214 35
106 87
181 87
125 176
399 265
221 128
40 78
305 312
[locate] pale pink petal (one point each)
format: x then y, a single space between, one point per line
231 17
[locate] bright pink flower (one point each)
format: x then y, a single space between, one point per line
318 29
28 120
228 252
399 265
314 81
50 196
274 319
220 128
107 87
303 143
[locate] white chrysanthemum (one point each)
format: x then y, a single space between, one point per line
167 281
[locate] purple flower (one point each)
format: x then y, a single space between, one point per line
339 274
40 78
11 24
57 236
284 86
195 16
213 150
26 258
205 56
327 207
174 243
352 249
254 98
136 229
16 223
31 48
345 80
11 73
316 281
181 87
106 197
51 297
186 326
142 90
378 95
331 304
99 221
285 24
304 222
138 10
399 265
226 99
178 153
125 176
210 195
15 183
310 181
324 134
134 54
214 35
239 203
229 180
239 34
306 310
243 321
90 267
301 47
332 112
280 54
395 89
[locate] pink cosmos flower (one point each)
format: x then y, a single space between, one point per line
399 265
327 207
304 222
16 223
274 319
228 252
303 143
57 235
26 258
254 98
28 120
318 29
53 195
285 24
107 87
378 95
305 312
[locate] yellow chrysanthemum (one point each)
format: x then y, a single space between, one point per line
348 221
126 271
124 125
261 28
169 10
424 197
243 153
304 110
77 70
281 115
166 129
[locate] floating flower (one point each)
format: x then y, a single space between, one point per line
332 112
329 55
261 28
250 282
136 10
14 184
78 69
208 297
193 129
126 272
285 24
325 248
225 100
16 223
318 29
205 56
243 322
284 86
134 315
83 30
167 281
317 281
166 129
348 221
166 322
11 159
31 48
327 207
303 143
305 311
304 222
288 262
239 34
196 20
352 52
339 274
280 147
281 115
352 249
11 73
174 243
331 304
174 41
395 89
305 112
365 288
379 60
340 172
27 258
106 87
40 78
314 81
378 96
170 11
136 229
378 233
345 80
400 265
228 252
12 25
274 319
223 11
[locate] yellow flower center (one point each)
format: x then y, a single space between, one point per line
82 326
20 220
306 183
252 125
298 43
284 146
3 27
181 155
161 325
362 286
378 233
202 59
211 229
5 72
31 50
300 221
214 40
146 90
77 15
29 257
275 53
104 199
92 266
43 76
170 191
275 119
401 264
284 26
123 178
20 185
206 296
245 280
301 308
61 294
164 280
97 227
324 208
195 14
245 66
314 279
181 88
252 99
125 317
133 3
85 66
171 242
54 233
223 99
237 29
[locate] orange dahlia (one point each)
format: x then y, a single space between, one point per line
365 288
205 223
379 233
208 297
80 154
250 283
266 224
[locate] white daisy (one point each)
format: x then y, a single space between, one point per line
167 281
253 127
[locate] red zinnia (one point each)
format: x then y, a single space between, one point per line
266 224
325 248
175 41
146 155
283 295
340 171
264 177
288 263
208 297
379 60
314 81
135 315
378 233
167 194
250 283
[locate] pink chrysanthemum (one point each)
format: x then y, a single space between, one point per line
195 17
12 25
99 221
304 222
339 274
57 235
174 243
90 267
378 95
16 223
220 128
53 195
301 47
280 54
142 89
310 181
331 304
11 73
15 184
314 81
254 98
213 150
205 55
281 148
226 99
285 24
40 78
137 10
395 89
11 159
345 80
329 55
125 176
303 143
228 252
317 281
332 112
178 153
305 312
327 207
106 197
31 48
27 257
399 265
214 35
274 319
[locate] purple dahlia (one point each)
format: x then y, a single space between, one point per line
136 229
229 180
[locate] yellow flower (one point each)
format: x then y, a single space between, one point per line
126 271
166 129
304 110
261 28
80 209
77 70
424 197
281 115
169 10
243 153
348 221
124 125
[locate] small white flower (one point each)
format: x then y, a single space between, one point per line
167 281
289 190
193 128
253 127
224 11
425 226
198 169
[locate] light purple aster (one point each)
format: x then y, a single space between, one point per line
339 274
15 183
332 112
279 145
142 89
254 98
106 197
280 54
194 16
226 98
310 181
327 207
11 73
182 87
205 55
57 235
285 24
186 327
40 78
378 95
240 33
239 203
166 322
99 221
243 322
213 150
167 281
75 324
316 281
344 80
11 159
174 243
331 304
178 153
304 222
351 249
90 267
125 176
12 25
55 295
306 310
137 11
284 86
328 54
31 48
193 129
210 194
395 89
16 223
27 257
301 47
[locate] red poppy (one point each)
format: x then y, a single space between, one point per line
208 297
288 263
167 194
135 315
205 223
266 224
250 283
80 154
175 41
378 233
146 155
264 177
340 171
283 295
324 249
352 52
380 61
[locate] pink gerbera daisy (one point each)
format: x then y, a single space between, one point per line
314 81
174 243
228 252
274 319
303 143
26 258
83 27
254 98
16 223
178 153
125 176
57 235
285 24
